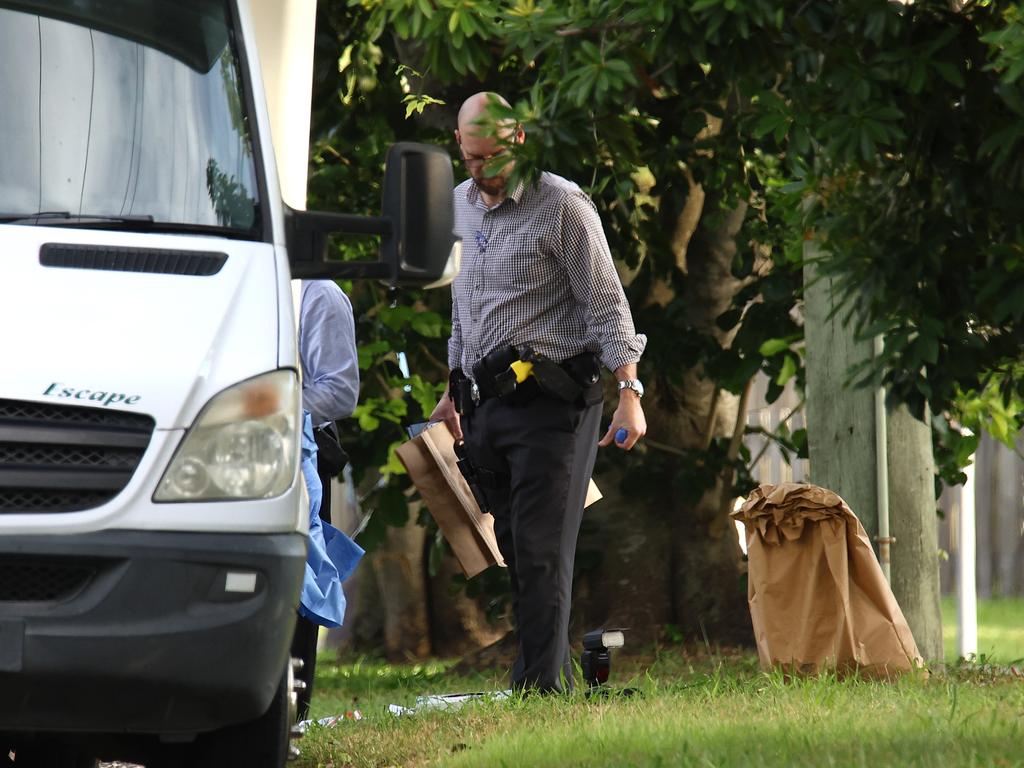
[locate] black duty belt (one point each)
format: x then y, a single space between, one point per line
500 375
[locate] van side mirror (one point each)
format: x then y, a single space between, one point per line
415 225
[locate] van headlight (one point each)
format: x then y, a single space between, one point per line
243 445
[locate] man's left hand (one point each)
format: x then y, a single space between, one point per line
629 416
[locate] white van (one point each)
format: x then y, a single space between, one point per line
152 516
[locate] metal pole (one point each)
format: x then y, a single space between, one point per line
966 588
882 472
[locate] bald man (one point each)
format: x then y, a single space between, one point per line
536 309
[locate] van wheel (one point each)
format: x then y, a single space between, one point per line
50 754
304 643
259 743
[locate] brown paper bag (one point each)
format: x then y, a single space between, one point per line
430 460
818 598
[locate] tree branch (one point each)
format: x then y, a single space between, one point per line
596 30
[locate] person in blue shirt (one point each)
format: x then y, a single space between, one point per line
330 370
330 391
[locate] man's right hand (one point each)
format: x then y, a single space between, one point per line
445 411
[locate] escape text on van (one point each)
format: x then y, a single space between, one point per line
103 398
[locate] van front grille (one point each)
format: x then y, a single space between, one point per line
35 580
59 458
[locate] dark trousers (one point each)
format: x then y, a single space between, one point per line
325 500
306 632
546 448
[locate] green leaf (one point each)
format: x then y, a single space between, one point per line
929 346
368 353
789 368
394 465
867 146
367 421
772 347
767 123
950 73
429 324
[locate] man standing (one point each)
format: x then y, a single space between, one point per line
330 372
330 391
536 308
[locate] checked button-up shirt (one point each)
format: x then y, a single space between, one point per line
536 270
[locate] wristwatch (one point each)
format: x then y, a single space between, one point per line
635 384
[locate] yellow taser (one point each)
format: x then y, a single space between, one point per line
523 370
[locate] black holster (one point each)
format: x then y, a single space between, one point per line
472 475
552 378
494 374
461 391
331 457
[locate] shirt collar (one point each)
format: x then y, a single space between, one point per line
473 193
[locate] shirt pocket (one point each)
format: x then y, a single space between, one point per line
523 263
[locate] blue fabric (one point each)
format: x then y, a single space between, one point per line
331 556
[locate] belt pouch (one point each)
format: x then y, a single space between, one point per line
460 390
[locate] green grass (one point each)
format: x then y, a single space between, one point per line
694 709
1000 629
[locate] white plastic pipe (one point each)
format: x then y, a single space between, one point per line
966 588
882 472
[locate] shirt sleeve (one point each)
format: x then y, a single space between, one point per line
327 346
595 284
455 342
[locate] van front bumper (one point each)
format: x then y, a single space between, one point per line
144 632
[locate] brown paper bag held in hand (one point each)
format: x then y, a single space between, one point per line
430 460
818 598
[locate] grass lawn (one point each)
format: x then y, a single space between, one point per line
693 708
1000 629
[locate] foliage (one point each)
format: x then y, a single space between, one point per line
907 122
890 130
402 353
608 98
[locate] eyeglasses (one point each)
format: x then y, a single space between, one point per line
475 161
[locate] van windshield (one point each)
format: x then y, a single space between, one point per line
122 113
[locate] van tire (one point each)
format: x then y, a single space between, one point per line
258 743
51 754
304 643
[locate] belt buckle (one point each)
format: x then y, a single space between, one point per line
474 393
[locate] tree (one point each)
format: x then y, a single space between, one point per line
898 124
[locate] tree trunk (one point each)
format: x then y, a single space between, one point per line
841 442
458 623
630 585
709 593
667 562
840 426
394 606
399 569
914 526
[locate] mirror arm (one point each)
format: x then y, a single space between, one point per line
317 225
347 224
